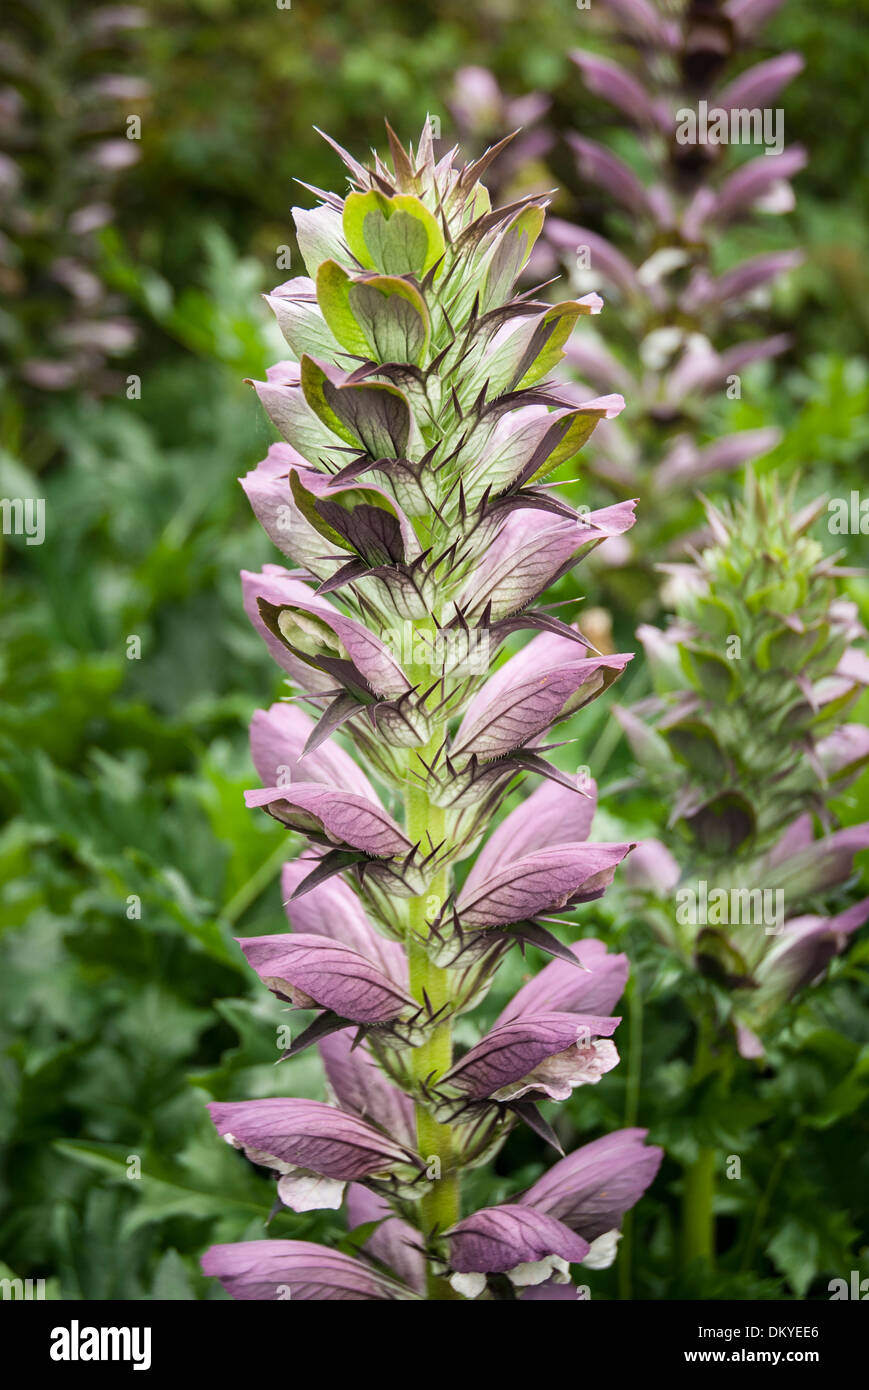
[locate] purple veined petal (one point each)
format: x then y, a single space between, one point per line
704 291
277 585
546 1054
544 881
277 738
527 1245
267 488
314 972
288 1135
395 1242
332 910
524 443
561 988
723 456
758 86
754 179
284 373
652 869
300 319
600 166
361 1087
297 1270
345 818
551 815
316 628
591 1189
282 399
804 948
605 259
531 551
494 725
619 87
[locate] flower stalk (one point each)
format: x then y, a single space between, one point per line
417 421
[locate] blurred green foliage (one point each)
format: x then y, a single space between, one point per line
128 860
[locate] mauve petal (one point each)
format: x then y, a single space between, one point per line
600 166
748 1044
643 19
543 653
561 988
333 910
395 1242
495 725
276 585
369 655
331 974
619 87
277 737
541 882
606 262
844 750
361 1087
267 488
346 818
750 15
652 868
512 1050
551 815
822 865
307 1134
759 85
297 1270
705 291
497 1239
530 550
753 179
591 1189
805 947
721 457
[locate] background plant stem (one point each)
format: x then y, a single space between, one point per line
698 1183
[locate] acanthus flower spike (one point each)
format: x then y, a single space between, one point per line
407 497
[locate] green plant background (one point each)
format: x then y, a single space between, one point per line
121 779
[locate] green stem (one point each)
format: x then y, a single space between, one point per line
440 1207
698 1218
698 1183
760 1211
